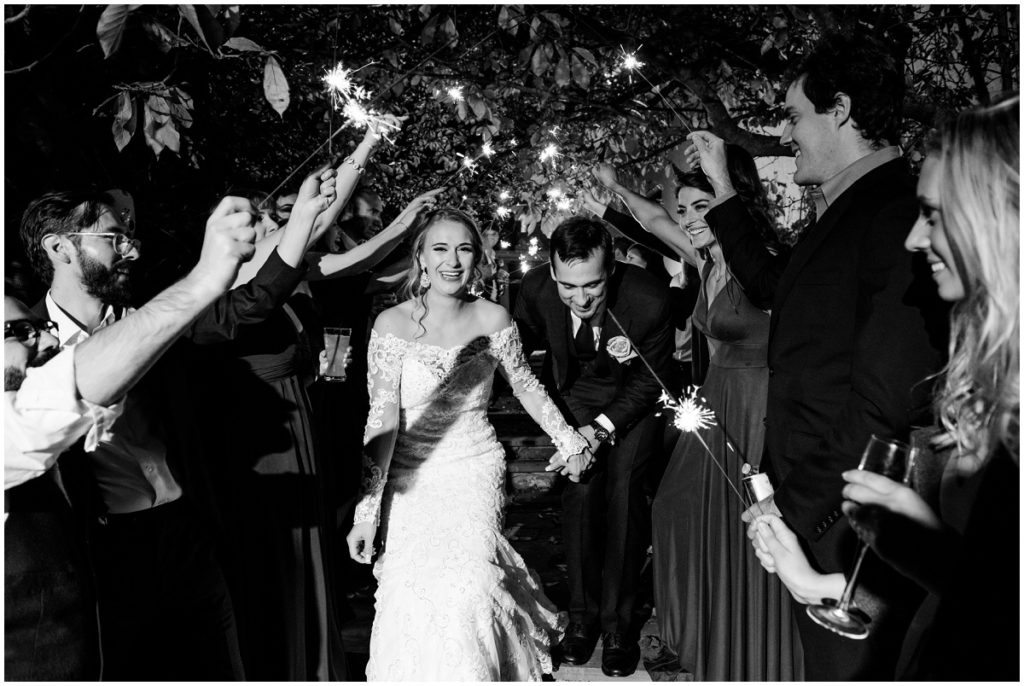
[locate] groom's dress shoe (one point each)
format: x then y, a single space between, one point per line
578 644
618 655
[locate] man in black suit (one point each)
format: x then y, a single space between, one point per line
849 347
575 310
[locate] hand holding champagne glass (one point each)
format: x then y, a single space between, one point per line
892 459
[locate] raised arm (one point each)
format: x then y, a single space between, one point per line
366 255
651 215
113 359
384 360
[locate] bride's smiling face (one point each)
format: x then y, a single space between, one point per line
449 256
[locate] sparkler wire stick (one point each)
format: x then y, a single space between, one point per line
675 400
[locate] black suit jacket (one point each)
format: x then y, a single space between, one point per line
849 343
171 391
643 307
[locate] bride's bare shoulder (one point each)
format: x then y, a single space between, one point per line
491 316
395 320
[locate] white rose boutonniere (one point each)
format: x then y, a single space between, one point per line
620 349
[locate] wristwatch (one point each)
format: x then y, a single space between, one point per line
602 434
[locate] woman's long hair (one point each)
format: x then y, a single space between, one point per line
747 183
979 402
412 287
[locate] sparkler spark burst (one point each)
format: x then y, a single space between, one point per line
550 152
630 62
486 150
502 212
564 204
505 245
455 93
338 79
690 415
504 195
554 193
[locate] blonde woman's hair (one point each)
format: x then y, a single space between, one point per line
979 402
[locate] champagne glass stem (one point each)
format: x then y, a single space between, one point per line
844 602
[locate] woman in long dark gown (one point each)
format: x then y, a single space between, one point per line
725 619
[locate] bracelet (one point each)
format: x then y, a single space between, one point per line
355 165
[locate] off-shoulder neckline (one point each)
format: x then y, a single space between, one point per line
490 336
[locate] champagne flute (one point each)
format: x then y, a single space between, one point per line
890 458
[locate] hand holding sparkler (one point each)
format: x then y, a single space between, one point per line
592 203
707 152
315 196
607 176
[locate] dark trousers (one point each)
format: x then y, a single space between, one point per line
50 631
606 522
165 613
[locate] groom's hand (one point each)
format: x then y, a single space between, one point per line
587 432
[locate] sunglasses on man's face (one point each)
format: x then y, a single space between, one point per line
27 329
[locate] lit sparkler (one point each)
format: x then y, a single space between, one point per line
504 195
486 150
455 93
502 213
550 152
505 245
565 204
631 64
554 193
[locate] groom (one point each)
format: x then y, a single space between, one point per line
593 371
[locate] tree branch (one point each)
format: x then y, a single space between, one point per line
19 16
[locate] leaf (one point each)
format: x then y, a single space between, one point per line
580 73
395 27
275 86
767 44
123 127
110 27
243 44
452 34
540 61
479 108
149 131
429 29
181 105
205 24
586 54
461 110
167 39
169 136
159 108
425 11
189 12
562 73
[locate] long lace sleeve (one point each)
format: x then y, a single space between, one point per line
384 360
508 350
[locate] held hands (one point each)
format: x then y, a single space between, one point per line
229 241
360 542
574 467
707 151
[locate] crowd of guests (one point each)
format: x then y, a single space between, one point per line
176 479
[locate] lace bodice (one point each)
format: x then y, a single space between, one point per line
430 403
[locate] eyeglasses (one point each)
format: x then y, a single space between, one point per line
26 329
123 243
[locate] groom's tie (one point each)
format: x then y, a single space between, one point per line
584 342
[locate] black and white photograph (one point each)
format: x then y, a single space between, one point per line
488 343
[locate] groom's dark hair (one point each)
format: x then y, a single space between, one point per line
577 238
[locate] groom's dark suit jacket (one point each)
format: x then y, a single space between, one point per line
642 306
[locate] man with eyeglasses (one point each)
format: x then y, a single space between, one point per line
54 398
163 603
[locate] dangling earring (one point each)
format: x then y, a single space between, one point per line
424 280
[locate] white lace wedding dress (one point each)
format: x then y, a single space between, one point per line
455 600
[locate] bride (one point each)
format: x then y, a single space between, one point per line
454 601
